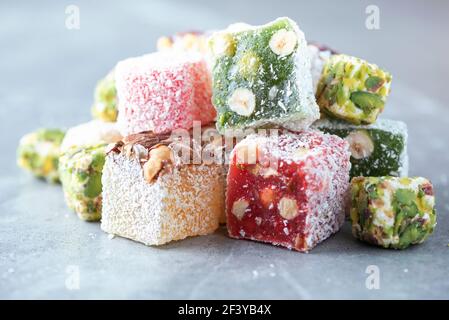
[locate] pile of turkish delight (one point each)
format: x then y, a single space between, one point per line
249 127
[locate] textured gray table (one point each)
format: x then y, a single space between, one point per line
47 78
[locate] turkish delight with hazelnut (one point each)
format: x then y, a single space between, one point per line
261 76
151 195
352 89
163 91
288 190
392 212
379 149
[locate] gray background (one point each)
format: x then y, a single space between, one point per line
47 78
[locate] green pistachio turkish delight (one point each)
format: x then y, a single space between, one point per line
352 89
392 212
379 149
38 152
261 75
105 99
80 170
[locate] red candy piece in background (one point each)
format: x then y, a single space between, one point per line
288 190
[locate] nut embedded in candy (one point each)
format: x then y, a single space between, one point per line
261 76
157 157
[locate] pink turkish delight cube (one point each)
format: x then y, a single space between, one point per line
163 91
288 190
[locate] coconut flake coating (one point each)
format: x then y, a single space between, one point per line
297 198
352 89
176 201
91 133
80 169
319 55
105 99
392 212
261 76
379 149
163 91
38 153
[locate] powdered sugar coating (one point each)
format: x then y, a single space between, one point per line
322 162
185 202
163 91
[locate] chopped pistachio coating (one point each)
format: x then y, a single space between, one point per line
392 212
352 89
105 99
38 152
261 76
80 170
377 150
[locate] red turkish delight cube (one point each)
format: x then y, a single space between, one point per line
288 189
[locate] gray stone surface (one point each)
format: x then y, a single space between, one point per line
48 74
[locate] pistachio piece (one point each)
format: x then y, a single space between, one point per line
93 186
373 83
367 101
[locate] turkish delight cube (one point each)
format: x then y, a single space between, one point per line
379 149
38 153
91 133
105 99
163 91
261 75
352 89
80 169
319 55
288 190
150 196
392 212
